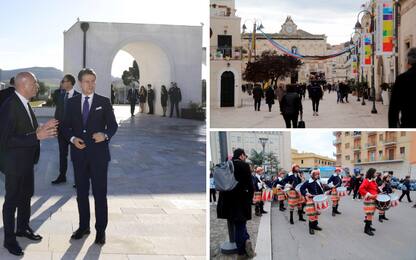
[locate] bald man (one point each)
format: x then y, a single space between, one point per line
19 141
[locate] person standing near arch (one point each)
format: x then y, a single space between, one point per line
164 99
132 97
150 99
175 96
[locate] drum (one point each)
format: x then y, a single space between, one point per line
321 202
342 191
257 197
382 202
394 200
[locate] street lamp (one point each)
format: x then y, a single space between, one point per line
263 141
257 25
372 25
357 52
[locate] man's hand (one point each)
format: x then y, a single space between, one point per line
79 143
45 133
98 137
52 123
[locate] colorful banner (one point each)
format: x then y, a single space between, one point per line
354 65
366 50
385 27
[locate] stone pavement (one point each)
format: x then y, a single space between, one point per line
219 234
331 115
156 196
342 237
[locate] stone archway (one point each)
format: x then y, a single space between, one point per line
164 53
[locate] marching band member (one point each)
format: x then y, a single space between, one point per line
334 182
259 185
281 196
293 179
385 188
309 189
369 191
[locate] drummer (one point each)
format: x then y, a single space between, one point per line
369 191
293 179
385 188
259 186
334 182
309 189
279 184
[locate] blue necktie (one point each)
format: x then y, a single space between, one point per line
85 111
65 100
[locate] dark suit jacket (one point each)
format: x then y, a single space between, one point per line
19 146
132 97
59 110
5 93
100 119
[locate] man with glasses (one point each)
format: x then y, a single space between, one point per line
66 92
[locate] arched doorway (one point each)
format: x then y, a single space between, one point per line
227 89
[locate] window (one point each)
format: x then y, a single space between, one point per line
347 157
380 155
294 49
225 44
402 133
390 153
381 137
402 150
301 161
347 133
372 156
347 145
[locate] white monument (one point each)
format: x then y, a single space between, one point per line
164 53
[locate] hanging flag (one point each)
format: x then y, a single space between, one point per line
385 27
354 65
366 49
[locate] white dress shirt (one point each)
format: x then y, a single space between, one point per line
25 104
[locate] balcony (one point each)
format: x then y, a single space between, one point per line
390 141
337 153
356 148
371 146
370 133
356 134
226 53
336 141
383 159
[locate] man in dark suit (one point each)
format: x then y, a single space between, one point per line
66 92
89 125
19 140
132 97
175 96
150 99
5 93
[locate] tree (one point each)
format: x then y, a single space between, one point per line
256 158
131 75
273 161
271 66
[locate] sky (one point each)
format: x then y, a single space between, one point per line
334 18
31 32
319 142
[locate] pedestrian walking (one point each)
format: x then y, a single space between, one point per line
212 190
270 97
291 107
258 94
406 190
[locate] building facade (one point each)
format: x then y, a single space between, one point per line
276 142
384 150
225 54
407 31
305 159
296 40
